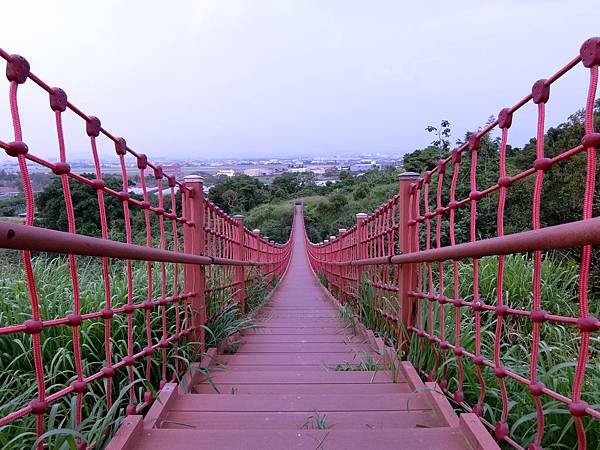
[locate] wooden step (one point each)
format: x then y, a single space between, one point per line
300 338
303 347
299 388
301 402
337 330
358 420
332 439
280 382
314 359
305 377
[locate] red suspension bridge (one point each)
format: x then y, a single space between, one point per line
278 390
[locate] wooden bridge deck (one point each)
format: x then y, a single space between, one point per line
284 388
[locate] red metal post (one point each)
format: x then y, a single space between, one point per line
194 243
342 271
360 246
240 271
406 245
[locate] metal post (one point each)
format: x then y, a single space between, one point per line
360 246
406 245
194 243
343 271
240 253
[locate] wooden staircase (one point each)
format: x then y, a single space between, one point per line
293 383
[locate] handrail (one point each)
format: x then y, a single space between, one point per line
393 262
566 235
24 237
220 263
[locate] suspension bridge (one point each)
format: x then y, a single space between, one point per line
309 375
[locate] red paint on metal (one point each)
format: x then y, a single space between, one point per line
268 259
436 263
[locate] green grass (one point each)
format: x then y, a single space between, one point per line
558 349
316 421
17 377
367 364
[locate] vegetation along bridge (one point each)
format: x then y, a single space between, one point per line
406 330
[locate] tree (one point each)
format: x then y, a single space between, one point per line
230 197
238 194
52 211
443 132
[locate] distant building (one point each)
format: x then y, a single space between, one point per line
257 172
363 166
324 182
226 172
298 170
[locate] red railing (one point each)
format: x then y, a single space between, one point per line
217 255
398 253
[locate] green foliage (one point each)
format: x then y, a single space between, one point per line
12 206
316 421
238 194
53 283
367 364
17 377
53 213
39 180
558 348
273 219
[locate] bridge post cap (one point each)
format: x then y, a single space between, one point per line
193 179
362 215
332 238
325 241
408 176
342 230
237 216
256 231
271 241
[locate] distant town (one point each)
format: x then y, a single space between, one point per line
323 169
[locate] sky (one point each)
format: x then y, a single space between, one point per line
207 79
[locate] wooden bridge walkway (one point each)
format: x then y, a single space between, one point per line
290 386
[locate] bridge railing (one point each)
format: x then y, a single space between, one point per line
407 256
202 258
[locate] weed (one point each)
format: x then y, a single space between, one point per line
316 421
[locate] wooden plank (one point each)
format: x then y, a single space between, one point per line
411 375
312 323
161 405
302 338
338 330
209 358
302 347
292 388
339 420
315 359
278 368
128 435
440 403
306 377
409 439
476 433
333 402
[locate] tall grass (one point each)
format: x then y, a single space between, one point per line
558 348
53 283
17 378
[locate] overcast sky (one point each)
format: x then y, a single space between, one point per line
232 78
